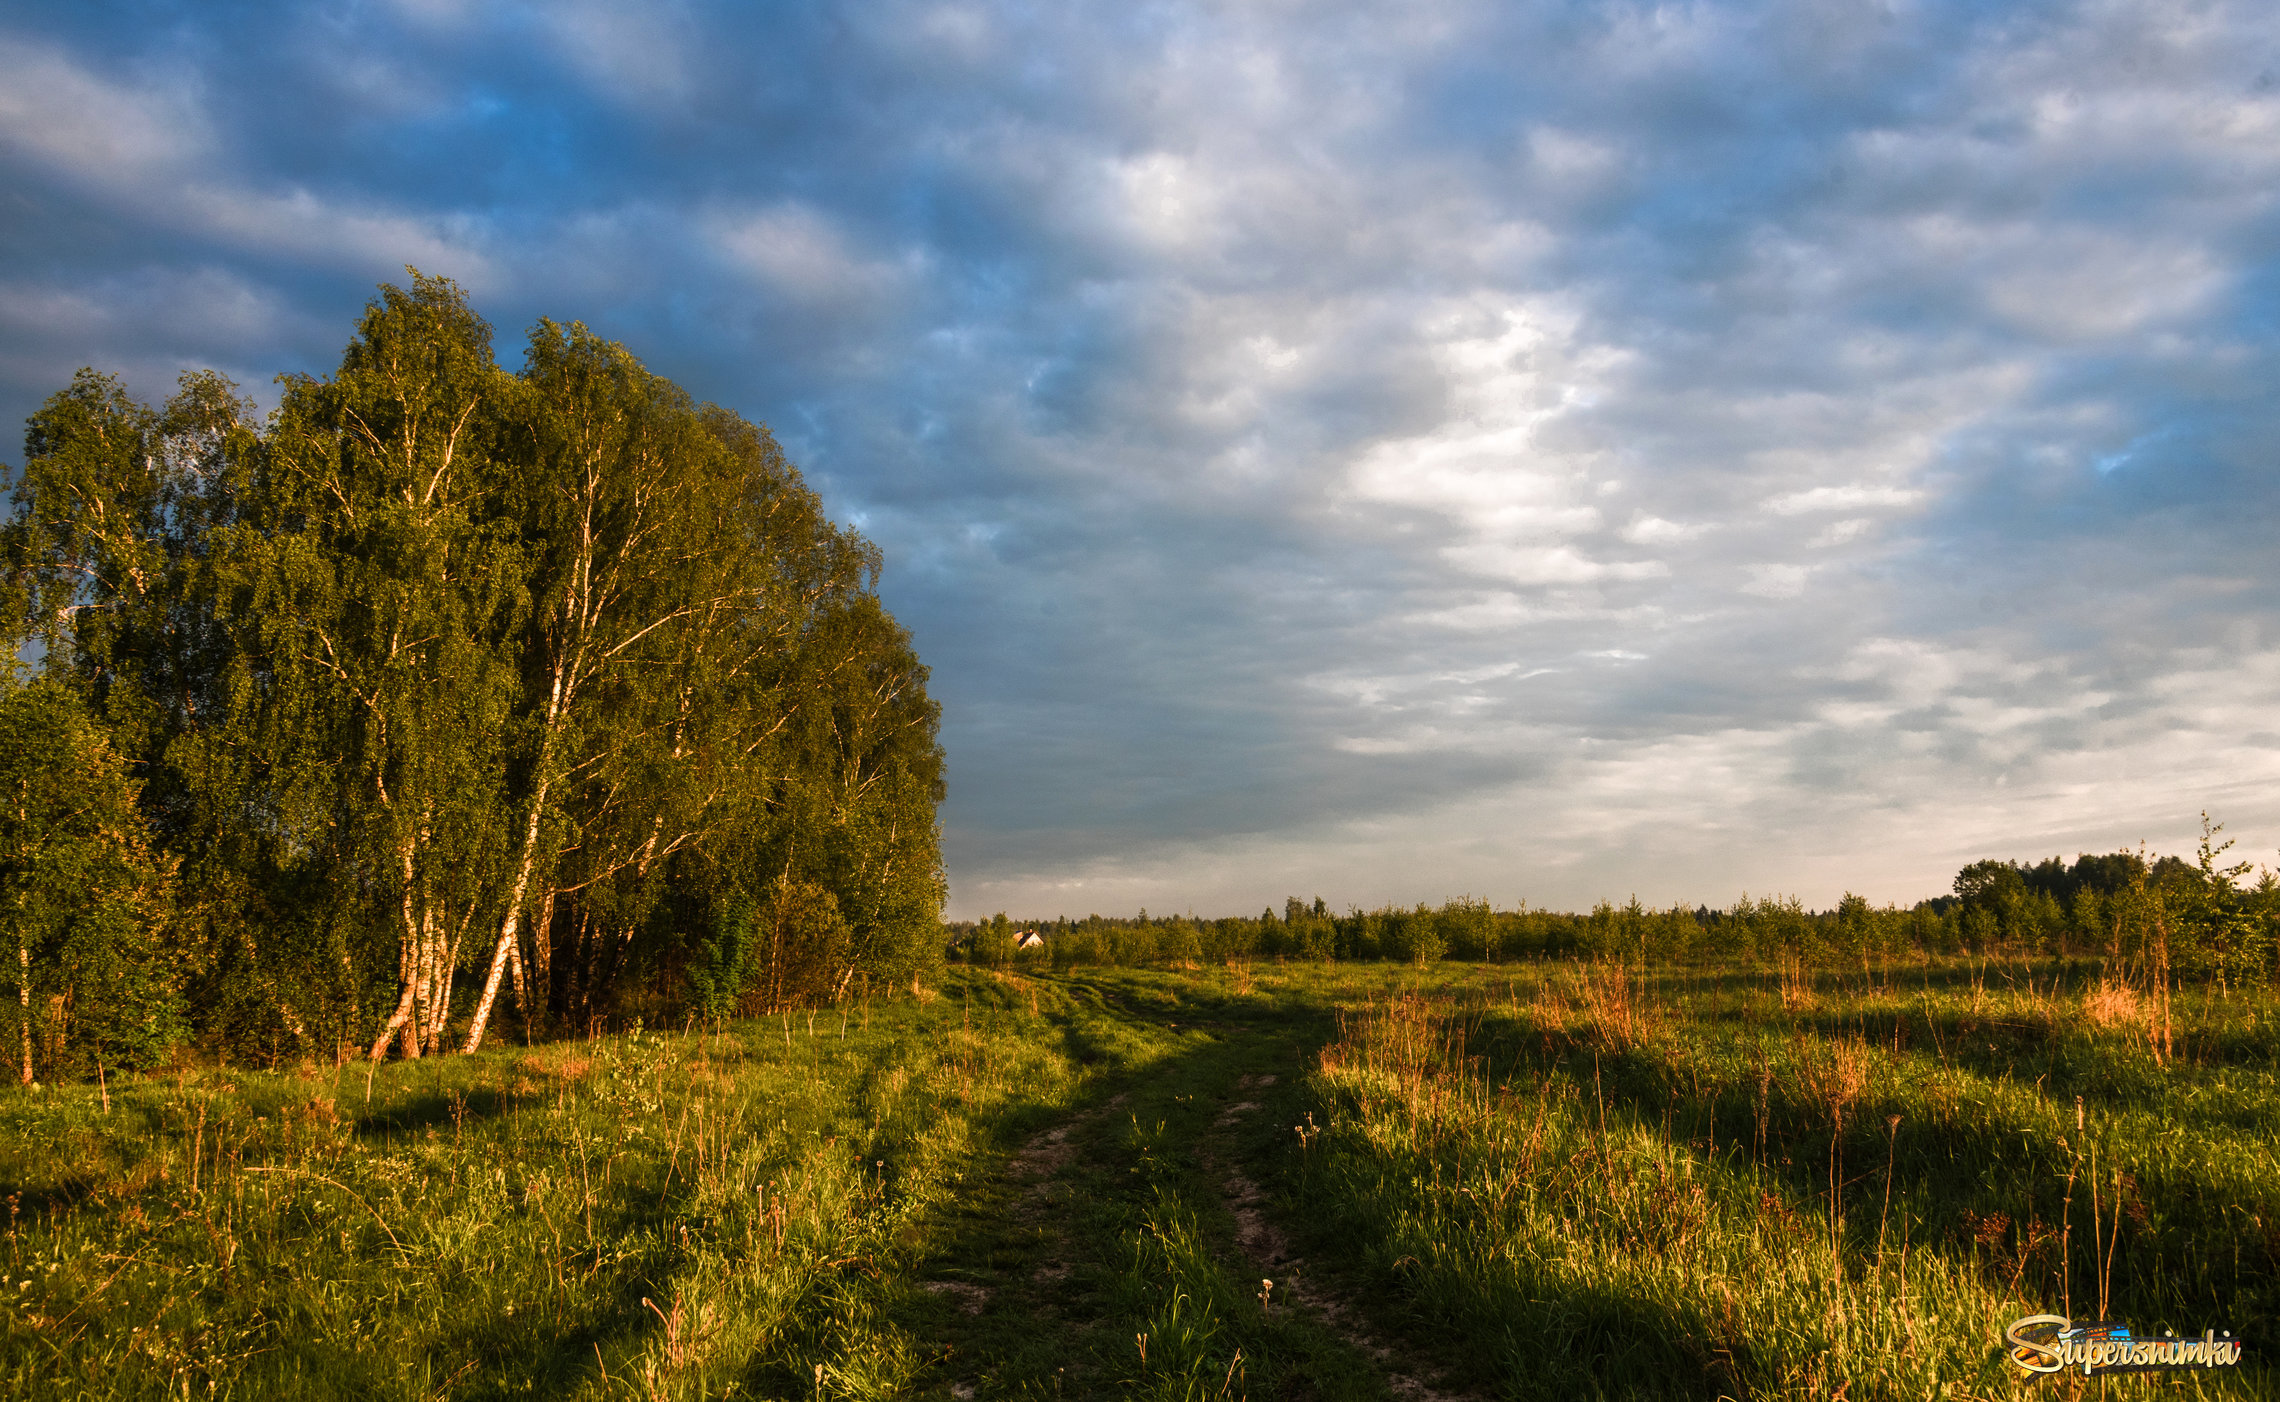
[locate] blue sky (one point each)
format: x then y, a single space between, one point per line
1536 451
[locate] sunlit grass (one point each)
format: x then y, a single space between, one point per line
687 1214
1687 1186
1544 1181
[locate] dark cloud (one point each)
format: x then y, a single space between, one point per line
1535 450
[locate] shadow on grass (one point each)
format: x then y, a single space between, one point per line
1048 1275
1969 1182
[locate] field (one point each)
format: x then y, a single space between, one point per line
1274 1181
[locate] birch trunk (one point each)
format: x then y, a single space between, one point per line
407 970
521 988
510 928
559 692
400 1020
24 1001
424 963
542 954
442 964
451 963
582 966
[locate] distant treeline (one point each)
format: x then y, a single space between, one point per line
2156 917
441 683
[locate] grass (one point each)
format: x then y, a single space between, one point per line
1588 1183
1275 1181
684 1215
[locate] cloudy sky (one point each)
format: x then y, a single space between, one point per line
1540 451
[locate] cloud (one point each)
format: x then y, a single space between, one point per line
300 223
1517 449
639 53
1847 498
796 253
1653 530
151 152
1776 581
149 325
105 132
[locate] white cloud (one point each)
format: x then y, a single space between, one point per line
321 231
1653 530
1770 581
151 153
638 54
1570 156
1666 457
1166 202
89 127
183 305
796 251
1527 565
1514 504
1845 498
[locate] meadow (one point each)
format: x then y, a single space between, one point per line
1536 1180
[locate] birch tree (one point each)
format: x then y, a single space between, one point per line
674 557
441 652
82 893
374 592
106 562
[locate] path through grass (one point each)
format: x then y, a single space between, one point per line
1474 1181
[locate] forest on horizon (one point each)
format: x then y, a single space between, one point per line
2154 916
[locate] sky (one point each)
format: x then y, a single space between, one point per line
1533 451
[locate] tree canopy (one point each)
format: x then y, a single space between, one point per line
552 683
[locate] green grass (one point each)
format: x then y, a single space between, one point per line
675 1215
1523 1182
1591 1184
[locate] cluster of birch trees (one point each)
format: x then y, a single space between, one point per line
445 685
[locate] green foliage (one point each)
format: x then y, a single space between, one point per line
455 675
727 961
1413 936
2217 920
82 897
2151 920
807 945
992 941
1467 929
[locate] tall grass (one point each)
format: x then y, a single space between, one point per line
1610 1185
1567 1181
675 1216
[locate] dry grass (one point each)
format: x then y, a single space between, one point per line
1797 995
2111 1005
1599 1000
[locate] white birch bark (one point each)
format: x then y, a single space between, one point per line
400 1020
510 927
24 1001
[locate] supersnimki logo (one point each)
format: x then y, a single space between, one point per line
2051 1343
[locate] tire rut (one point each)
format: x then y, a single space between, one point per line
1269 1250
